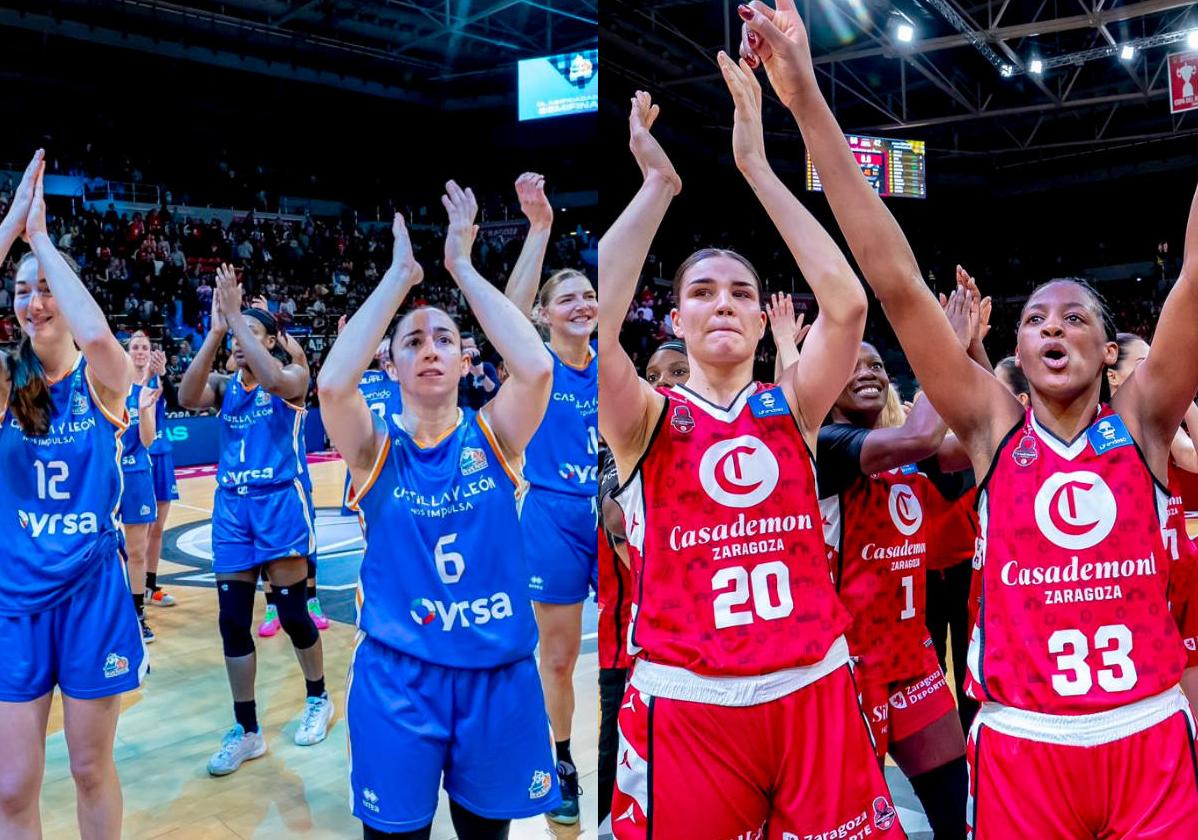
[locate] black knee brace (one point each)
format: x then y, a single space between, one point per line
292 603
470 826
369 833
236 600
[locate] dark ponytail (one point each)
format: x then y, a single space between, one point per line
29 397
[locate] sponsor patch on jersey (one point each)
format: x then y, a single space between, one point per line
542 783
1107 434
115 666
1025 453
909 469
884 814
682 422
473 460
1191 643
78 404
261 398
370 800
769 403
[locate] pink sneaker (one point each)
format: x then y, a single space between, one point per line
270 622
318 618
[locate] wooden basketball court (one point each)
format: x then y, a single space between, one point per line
172 725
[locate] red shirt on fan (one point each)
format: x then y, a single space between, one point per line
1183 600
724 535
875 530
1074 615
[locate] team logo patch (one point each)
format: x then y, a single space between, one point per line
1025 453
899 700
473 460
145 510
1107 434
78 404
542 783
769 403
738 473
682 422
1075 510
261 398
905 510
884 814
1191 643
115 666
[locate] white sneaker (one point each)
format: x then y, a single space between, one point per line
237 746
314 727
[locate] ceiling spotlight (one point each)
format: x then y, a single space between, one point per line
1007 71
1037 66
905 33
1127 53
1192 39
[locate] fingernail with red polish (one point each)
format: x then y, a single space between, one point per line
745 12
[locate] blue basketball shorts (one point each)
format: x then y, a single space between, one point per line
138 505
412 723
264 524
89 644
166 488
560 548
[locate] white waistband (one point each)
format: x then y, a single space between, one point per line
1082 730
676 683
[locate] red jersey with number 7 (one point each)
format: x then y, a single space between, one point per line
723 524
1074 613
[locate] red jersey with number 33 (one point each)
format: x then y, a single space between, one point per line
729 572
1074 615
876 533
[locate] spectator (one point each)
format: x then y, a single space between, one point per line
481 381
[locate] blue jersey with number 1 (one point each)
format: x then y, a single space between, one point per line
563 455
443 578
62 491
261 438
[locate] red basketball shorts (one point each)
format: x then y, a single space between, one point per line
1084 781
897 710
794 768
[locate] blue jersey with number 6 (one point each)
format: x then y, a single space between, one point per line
443 578
563 455
261 438
61 490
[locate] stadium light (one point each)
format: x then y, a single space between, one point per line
1037 66
1192 39
1007 71
905 33
1127 53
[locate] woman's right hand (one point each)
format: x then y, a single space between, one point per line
23 197
650 156
35 220
403 257
777 40
748 137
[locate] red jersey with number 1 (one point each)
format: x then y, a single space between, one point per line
877 540
730 576
1074 615
1183 600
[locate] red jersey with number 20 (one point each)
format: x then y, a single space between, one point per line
730 575
1074 615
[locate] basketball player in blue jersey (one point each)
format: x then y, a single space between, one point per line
443 682
138 507
261 515
559 521
65 616
162 470
381 392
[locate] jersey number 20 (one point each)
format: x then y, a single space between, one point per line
755 585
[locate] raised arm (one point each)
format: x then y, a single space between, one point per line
787 330
288 381
13 225
1160 390
109 364
525 278
201 387
973 403
519 407
628 405
814 383
350 422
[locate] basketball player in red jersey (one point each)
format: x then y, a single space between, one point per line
1183 600
741 696
1074 656
873 497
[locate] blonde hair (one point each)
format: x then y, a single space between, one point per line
894 414
555 280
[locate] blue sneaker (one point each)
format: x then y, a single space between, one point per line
567 812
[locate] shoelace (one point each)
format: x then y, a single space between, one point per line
310 714
228 746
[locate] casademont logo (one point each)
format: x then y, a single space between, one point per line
905 509
739 473
1075 510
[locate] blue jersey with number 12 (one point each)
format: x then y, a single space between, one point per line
443 578
261 438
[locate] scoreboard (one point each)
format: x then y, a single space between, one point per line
892 167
